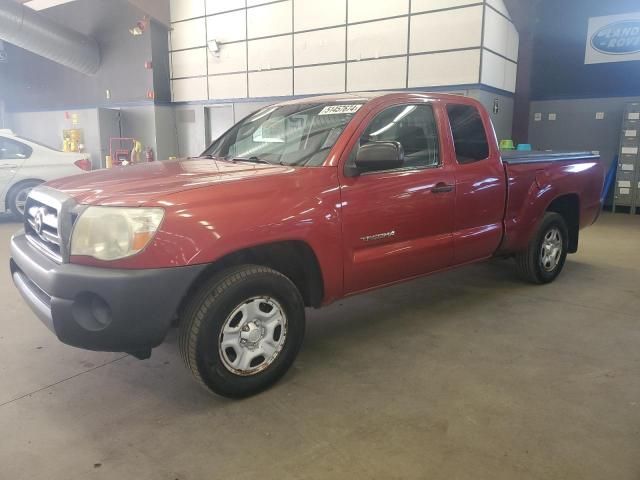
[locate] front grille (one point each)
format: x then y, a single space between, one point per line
41 224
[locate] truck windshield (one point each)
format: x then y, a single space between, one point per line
299 135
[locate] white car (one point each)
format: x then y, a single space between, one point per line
25 163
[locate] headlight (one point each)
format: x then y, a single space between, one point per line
110 233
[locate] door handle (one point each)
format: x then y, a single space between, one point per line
442 187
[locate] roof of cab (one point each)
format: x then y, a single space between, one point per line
367 96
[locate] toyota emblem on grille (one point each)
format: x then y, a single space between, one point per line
38 219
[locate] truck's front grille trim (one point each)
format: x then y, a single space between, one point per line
41 227
38 245
48 219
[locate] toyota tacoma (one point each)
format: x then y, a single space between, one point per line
297 205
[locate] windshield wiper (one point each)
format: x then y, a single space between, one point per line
251 160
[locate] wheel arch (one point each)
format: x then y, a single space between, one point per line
568 206
295 259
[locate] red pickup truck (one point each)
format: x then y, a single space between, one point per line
298 205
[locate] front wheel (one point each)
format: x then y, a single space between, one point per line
545 256
243 330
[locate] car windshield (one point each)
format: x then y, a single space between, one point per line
300 135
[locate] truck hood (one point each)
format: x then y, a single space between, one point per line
139 184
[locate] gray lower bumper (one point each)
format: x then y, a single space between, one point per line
100 308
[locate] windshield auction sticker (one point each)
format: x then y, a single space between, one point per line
340 109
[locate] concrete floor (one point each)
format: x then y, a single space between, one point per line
469 374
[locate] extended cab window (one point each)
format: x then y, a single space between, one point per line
469 135
413 126
12 150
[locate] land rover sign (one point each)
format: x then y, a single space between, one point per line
613 39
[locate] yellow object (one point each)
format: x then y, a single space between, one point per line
72 139
135 153
507 145
108 163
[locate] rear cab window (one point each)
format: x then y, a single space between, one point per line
469 134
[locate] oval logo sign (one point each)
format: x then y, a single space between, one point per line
619 38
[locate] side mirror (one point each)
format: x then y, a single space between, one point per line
379 156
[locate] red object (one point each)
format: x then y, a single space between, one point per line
120 150
148 154
148 65
215 208
83 163
150 94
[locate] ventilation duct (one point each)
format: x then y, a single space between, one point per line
30 30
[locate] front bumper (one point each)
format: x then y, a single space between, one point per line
100 308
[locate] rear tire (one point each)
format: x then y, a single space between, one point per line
242 331
17 197
546 253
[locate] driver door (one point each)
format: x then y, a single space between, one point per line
398 224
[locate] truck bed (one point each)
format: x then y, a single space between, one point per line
516 157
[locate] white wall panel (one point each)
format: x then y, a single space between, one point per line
188 34
493 70
510 76
217 6
310 14
498 72
449 68
274 52
274 83
428 5
322 46
228 86
189 63
500 6
360 10
460 28
233 58
377 39
322 79
271 19
377 74
496 33
513 43
183 9
189 89
435 25
227 27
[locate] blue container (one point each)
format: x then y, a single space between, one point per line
524 147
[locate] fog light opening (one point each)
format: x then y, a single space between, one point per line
91 312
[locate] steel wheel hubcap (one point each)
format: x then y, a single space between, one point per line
253 336
551 250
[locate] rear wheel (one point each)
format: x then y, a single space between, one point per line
545 256
243 330
17 197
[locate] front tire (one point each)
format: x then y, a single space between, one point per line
242 331
546 253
